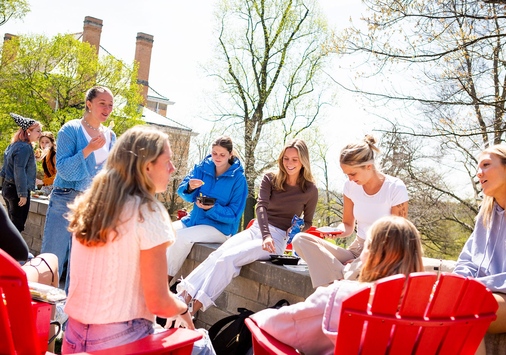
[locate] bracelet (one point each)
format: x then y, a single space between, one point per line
187 308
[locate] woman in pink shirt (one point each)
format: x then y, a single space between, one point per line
393 247
120 236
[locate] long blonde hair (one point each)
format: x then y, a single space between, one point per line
305 175
394 248
96 212
487 205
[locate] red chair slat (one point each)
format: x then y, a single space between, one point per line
385 303
351 324
18 303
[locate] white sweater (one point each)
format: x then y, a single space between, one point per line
105 284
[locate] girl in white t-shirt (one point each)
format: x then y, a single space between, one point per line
368 195
120 236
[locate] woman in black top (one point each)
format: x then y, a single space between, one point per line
11 240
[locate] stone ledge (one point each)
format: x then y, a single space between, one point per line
261 284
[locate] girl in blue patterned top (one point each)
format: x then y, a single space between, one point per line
83 147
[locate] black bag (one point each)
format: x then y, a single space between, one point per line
230 336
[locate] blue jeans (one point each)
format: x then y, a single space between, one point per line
57 238
204 345
81 337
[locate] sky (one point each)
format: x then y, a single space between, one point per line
183 46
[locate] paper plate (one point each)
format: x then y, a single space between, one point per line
329 230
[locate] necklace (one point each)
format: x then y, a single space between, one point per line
90 126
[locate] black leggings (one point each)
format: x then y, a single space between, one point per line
17 214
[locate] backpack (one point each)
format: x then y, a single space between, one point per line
230 336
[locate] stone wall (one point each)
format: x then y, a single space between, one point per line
34 226
258 286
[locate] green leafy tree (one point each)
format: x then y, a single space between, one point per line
47 78
13 9
271 54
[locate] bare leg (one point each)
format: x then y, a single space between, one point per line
499 325
481 349
170 278
43 269
196 306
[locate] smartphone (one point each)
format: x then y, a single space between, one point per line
206 201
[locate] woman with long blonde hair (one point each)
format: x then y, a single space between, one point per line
120 236
484 254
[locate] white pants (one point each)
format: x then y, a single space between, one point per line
213 275
185 238
325 260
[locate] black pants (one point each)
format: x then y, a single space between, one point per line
17 214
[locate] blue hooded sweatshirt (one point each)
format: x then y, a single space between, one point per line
229 189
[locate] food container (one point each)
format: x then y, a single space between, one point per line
284 259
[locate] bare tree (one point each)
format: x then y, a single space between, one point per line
272 53
444 65
444 222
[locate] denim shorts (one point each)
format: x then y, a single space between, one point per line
81 337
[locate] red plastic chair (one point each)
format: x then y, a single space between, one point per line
416 315
265 344
24 328
250 223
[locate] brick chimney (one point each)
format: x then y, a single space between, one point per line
9 36
143 48
92 30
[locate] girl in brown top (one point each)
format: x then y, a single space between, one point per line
289 191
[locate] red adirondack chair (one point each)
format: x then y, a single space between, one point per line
24 325
418 315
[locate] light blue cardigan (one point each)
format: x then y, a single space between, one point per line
73 171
